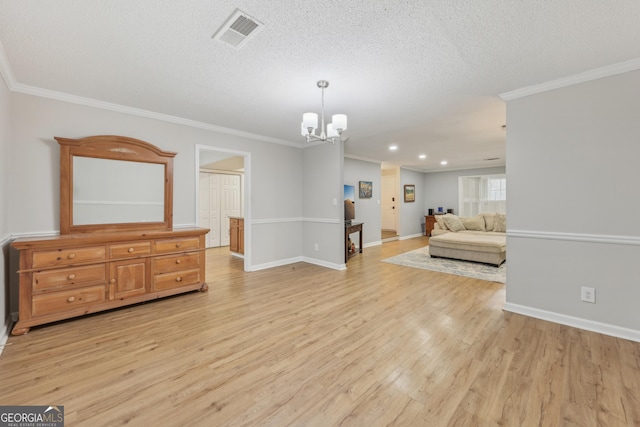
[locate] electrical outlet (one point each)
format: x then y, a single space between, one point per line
588 294
316 247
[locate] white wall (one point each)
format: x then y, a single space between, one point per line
573 205
368 211
276 186
441 188
5 230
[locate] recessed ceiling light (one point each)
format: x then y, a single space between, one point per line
393 147
443 163
422 156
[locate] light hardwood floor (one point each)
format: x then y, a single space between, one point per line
303 345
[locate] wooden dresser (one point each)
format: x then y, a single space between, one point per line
72 275
117 245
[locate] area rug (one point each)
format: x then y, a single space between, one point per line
420 258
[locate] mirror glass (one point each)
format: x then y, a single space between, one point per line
107 191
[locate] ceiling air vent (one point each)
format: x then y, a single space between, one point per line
238 29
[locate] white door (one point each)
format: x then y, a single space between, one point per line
231 204
389 202
210 208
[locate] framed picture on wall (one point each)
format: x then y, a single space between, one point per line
366 189
409 193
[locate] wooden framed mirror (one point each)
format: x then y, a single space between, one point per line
114 183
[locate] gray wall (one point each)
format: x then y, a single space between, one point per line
276 187
411 213
573 204
441 188
5 231
323 209
367 210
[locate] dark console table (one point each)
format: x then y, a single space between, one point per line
348 229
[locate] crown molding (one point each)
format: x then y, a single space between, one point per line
5 69
598 73
89 102
14 86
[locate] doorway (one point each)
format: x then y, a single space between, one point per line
223 190
389 203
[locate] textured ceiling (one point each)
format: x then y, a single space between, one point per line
424 75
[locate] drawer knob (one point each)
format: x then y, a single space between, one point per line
177 245
113 280
130 250
178 279
71 276
71 256
178 261
71 299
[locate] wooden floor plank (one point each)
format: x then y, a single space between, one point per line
303 345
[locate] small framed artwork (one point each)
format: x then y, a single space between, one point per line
366 189
409 193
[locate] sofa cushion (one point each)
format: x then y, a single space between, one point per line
475 223
440 221
481 242
489 219
453 222
500 223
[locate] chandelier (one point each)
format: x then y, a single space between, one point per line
333 130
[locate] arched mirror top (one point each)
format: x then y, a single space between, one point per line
114 183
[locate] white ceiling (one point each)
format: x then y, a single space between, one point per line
424 75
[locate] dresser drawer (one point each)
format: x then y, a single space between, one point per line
59 257
176 280
51 279
59 302
129 250
175 245
171 263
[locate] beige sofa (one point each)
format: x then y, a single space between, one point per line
481 238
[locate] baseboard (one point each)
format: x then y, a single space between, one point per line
4 334
278 263
322 263
411 236
576 322
288 261
370 244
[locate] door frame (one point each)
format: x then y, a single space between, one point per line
246 196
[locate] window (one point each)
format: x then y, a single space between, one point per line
483 193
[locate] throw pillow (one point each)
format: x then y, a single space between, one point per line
440 221
489 219
453 222
475 223
500 223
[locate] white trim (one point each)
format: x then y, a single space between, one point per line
364 159
322 263
276 220
295 219
576 322
35 234
79 100
308 260
4 333
116 203
6 240
5 69
411 236
598 73
576 237
370 244
322 220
